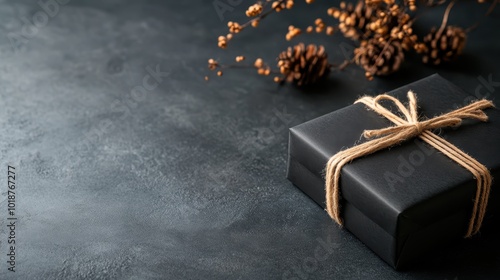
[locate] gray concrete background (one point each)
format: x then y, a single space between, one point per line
186 180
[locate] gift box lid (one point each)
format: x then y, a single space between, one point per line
411 181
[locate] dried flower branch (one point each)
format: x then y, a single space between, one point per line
257 12
299 65
383 30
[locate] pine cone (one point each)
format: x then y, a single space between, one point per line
353 19
303 65
443 46
378 57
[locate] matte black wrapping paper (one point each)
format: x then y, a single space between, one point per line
404 201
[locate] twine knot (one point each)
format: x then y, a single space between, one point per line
406 127
418 127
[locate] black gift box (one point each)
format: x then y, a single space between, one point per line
403 201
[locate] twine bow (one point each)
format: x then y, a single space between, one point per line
408 126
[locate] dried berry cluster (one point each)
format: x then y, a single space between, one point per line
383 30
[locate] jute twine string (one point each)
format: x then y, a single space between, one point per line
404 129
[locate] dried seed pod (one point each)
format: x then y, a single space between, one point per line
353 20
292 32
411 4
254 10
443 45
303 65
378 57
404 34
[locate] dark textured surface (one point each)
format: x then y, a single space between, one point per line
188 179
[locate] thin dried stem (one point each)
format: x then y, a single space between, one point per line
262 15
344 64
445 19
490 10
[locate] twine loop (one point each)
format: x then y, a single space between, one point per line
408 126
